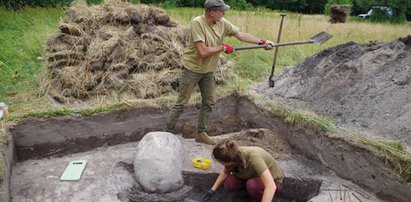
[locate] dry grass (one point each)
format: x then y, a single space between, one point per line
110 48
299 27
302 27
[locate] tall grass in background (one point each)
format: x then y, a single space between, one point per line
256 64
24 33
22 37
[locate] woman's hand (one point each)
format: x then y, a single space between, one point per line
208 195
220 179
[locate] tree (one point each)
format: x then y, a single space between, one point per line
288 5
401 8
239 4
301 6
315 6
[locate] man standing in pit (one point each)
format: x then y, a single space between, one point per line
200 60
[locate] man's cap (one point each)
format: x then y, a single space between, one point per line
216 5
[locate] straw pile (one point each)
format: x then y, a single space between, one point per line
116 48
339 13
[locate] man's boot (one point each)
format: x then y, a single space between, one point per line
204 138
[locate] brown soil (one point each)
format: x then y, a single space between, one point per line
273 143
364 87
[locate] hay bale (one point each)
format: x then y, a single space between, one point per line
76 82
339 13
65 55
116 48
71 29
62 38
63 47
79 12
149 85
56 65
224 72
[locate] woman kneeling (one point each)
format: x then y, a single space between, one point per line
252 168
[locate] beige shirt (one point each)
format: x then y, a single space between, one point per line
212 35
257 161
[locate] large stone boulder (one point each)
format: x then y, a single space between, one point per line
158 162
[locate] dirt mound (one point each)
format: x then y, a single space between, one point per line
273 143
116 49
365 87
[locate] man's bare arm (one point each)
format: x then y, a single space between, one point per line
205 51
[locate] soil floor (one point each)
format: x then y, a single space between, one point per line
109 173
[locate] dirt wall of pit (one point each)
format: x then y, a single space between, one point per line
63 135
7 153
348 161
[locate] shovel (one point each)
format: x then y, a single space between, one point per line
319 38
271 78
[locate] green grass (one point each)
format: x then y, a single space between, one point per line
297 118
67 111
22 38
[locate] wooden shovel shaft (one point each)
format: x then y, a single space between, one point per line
319 38
270 79
275 45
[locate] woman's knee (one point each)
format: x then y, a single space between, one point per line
255 187
233 184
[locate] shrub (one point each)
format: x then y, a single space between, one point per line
379 15
17 4
239 4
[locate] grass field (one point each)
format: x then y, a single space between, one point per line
24 33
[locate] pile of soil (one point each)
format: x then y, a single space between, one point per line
339 13
117 48
364 87
273 143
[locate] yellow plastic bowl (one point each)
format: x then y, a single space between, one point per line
201 163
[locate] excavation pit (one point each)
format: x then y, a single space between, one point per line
197 184
315 165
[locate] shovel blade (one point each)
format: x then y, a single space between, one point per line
320 38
